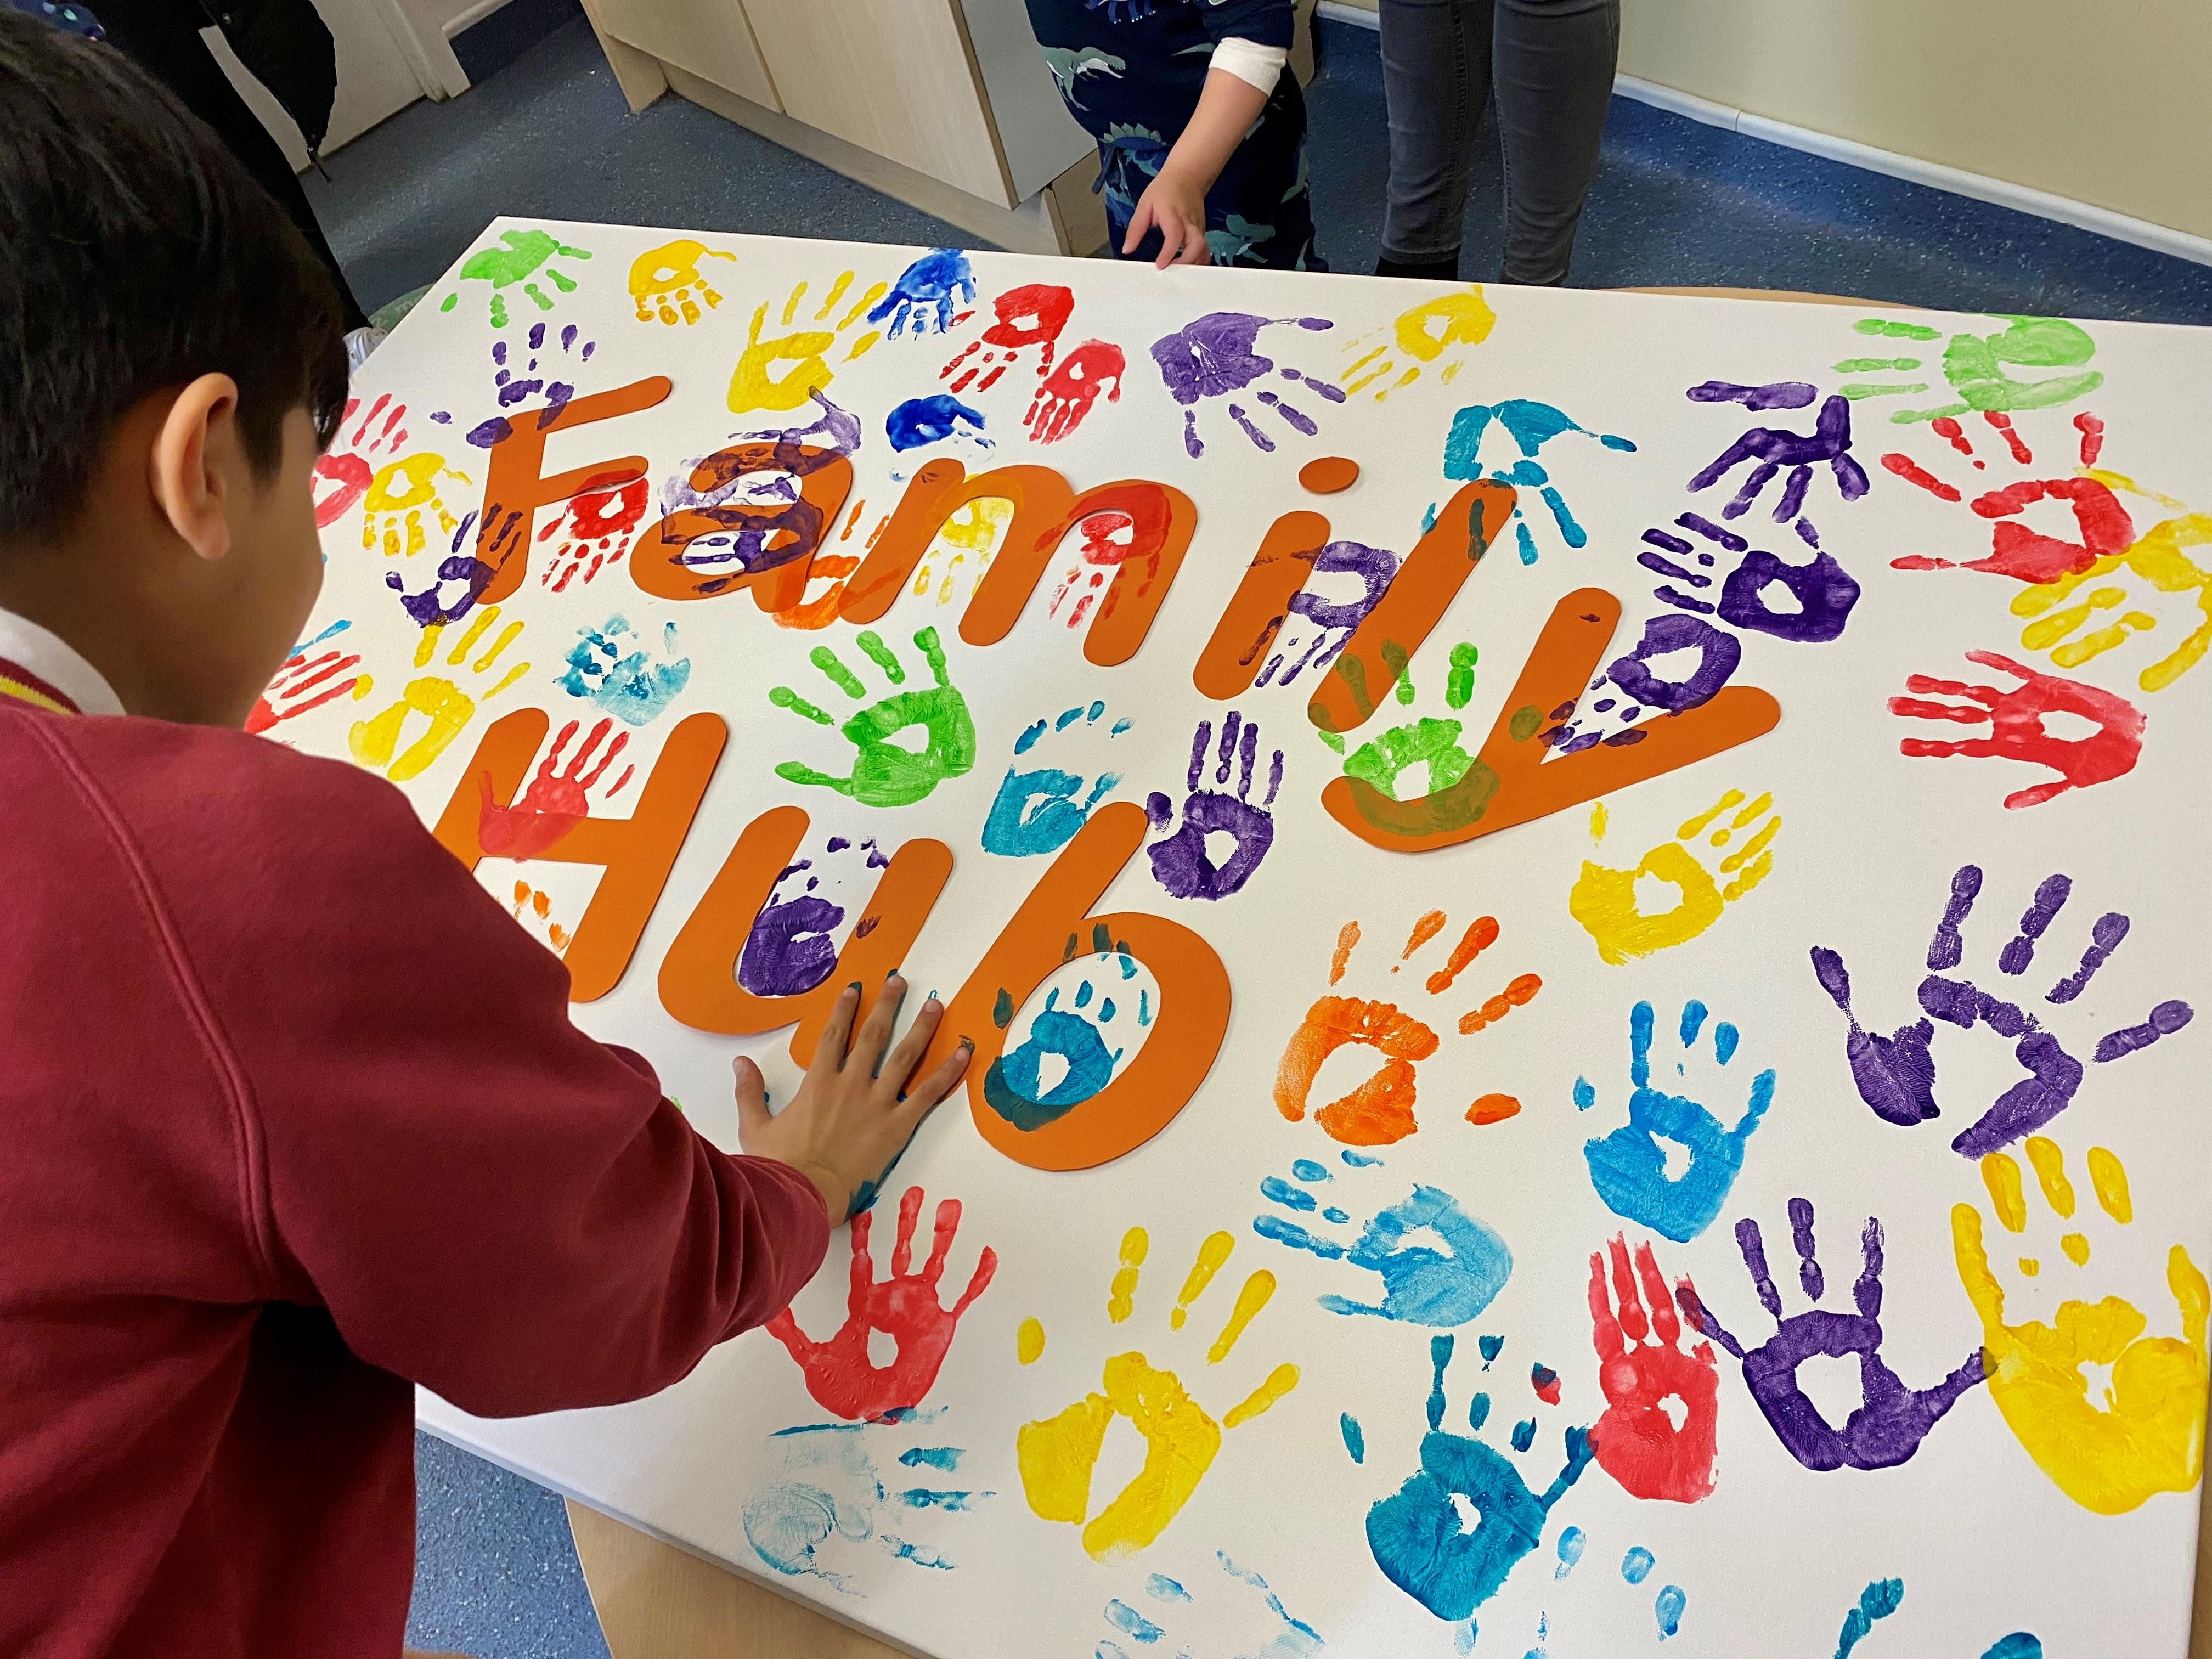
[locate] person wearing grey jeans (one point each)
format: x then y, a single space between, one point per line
1551 63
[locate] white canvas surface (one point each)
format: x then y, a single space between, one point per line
1985 1541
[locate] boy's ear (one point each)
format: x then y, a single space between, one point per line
197 464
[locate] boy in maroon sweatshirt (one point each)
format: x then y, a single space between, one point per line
292 1114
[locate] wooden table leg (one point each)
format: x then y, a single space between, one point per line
654 1601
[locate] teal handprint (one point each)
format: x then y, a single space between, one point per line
1421 1284
1974 366
1629 1166
885 773
524 254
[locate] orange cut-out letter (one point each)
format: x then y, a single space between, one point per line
1040 496
1511 781
1053 927
1417 597
767 546
636 852
1158 521
699 982
1261 603
515 486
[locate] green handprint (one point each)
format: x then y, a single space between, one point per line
885 774
1974 366
524 254
1380 761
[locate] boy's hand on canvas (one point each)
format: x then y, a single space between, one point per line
1175 203
849 1122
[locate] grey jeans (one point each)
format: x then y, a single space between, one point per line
1551 63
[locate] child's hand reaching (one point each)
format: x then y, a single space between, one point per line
1176 202
848 1122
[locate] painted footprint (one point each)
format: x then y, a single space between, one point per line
1265 1627
401 495
2145 1436
1671 1166
520 258
1064 1058
609 668
1380 1110
664 280
1419 1534
754 384
841 1374
1057 1455
1421 1284
830 1512
440 700
1528 426
1605 900
1436 332
1183 861
1037 810
884 773
1889 1425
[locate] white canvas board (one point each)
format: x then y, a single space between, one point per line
1940 1542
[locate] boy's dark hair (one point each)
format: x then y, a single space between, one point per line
136 253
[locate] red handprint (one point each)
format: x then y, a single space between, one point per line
598 527
2016 551
1638 1444
905 1305
554 801
1065 396
304 683
1030 315
342 478
2017 733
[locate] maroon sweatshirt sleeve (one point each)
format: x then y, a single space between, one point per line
488 1201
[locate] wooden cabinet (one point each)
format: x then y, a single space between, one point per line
712 39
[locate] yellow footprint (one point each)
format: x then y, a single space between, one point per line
663 279
2146 1434
1057 1455
1603 899
754 384
441 700
1437 330
398 495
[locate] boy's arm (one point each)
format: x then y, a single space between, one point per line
488 1201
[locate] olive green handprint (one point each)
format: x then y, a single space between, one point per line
1974 366
883 773
525 253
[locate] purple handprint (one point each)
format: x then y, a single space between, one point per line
1822 591
1880 1434
1896 1074
1215 355
1333 622
791 948
1771 448
1180 861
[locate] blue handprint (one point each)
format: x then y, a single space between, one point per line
1420 1285
1278 1635
1629 1167
1014 1086
1417 1534
926 288
1531 426
1036 811
921 421
608 668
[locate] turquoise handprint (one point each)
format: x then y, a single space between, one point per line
1040 810
1420 1284
1629 1166
883 773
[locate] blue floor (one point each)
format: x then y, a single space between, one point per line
546 133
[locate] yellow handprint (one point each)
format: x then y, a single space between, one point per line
1604 900
753 386
2156 558
973 529
1057 1455
397 497
2147 1435
661 280
1418 338
444 704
